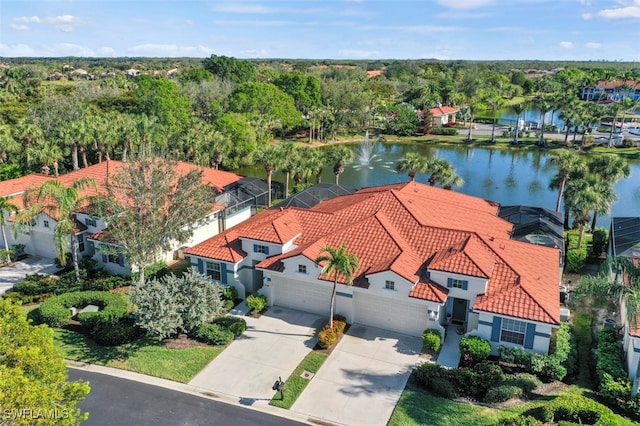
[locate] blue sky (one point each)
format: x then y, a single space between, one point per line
329 29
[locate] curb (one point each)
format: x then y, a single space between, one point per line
197 391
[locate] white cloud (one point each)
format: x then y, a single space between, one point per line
65 23
29 19
464 4
170 50
426 29
627 11
255 23
18 27
15 50
592 45
358 54
566 44
586 16
106 51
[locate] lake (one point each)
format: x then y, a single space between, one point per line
506 176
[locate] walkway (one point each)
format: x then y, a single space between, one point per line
9 275
450 352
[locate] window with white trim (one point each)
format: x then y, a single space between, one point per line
89 221
302 269
46 223
390 285
513 331
214 271
457 283
258 248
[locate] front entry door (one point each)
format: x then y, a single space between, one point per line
459 315
257 278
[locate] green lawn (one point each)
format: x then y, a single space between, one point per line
147 356
420 408
295 384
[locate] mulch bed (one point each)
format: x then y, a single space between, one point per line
182 342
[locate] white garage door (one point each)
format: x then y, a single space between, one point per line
403 317
302 296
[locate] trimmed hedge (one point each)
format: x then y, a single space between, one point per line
56 311
521 421
503 393
35 286
432 339
234 324
329 336
525 381
448 131
474 349
213 334
573 408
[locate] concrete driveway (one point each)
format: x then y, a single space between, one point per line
15 272
363 378
272 347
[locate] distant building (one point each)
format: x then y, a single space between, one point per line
613 91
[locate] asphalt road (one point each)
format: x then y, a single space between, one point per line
115 401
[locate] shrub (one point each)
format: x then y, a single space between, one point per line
426 372
547 367
521 421
448 131
104 283
466 381
116 333
229 293
329 336
68 258
599 242
213 334
474 349
515 355
489 374
574 408
566 349
503 393
432 339
576 259
55 312
525 381
257 302
234 324
443 388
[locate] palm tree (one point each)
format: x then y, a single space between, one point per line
518 109
610 169
442 172
568 164
57 200
589 193
270 159
610 284
544 105
316 160
614 110
6 205
8 144
287 163
495 102
413 164
339 263
338 155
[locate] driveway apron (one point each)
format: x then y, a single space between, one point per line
363 378
272 347
9 275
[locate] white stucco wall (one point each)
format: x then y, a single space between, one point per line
237 217
632 351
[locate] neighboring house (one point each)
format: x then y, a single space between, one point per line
536 225
441 115
624 241
91 231
612 91
428 258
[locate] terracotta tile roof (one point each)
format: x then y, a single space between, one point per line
406 228
617 84
443 110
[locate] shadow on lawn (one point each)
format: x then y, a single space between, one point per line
80 347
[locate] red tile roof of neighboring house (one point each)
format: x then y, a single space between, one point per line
443 110
617 84
408 228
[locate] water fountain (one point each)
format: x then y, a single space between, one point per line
365 152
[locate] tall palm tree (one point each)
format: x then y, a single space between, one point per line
568 164
613 109
589 193
610 283
342 265
316 160
288 156
544 104
338 155
413 163
495 101
57 200
269 157
518 109
610 168
8 207
8 144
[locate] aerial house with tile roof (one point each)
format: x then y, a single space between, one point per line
92 231
428 258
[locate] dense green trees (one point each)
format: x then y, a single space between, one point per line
33 377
